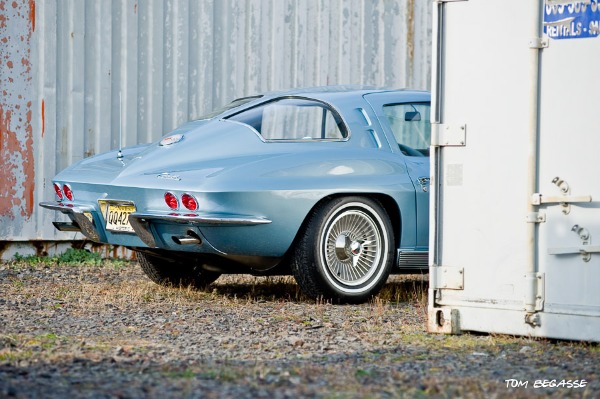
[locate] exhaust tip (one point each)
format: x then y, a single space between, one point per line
190 239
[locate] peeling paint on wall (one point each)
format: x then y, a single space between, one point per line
17 183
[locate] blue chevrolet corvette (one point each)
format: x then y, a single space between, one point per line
328 184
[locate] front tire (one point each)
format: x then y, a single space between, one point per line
346 251
173 273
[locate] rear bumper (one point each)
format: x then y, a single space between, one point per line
82 217
157 230
143 223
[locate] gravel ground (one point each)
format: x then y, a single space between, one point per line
107 332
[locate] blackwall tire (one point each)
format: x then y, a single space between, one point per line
346 251
175 274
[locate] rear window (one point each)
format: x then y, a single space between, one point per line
234 104
411 126
294 119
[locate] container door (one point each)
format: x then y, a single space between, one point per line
515 232
569 185
480 115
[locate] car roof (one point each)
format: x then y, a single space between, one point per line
325 91
329 94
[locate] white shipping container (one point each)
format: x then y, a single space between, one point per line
515 227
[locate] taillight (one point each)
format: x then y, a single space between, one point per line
189 202
68 192
171 200
58 191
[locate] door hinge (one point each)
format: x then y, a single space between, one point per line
539 43
448 135
534 292
535 217
448 278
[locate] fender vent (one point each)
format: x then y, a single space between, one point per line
413 260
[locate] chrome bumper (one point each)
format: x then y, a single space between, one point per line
141 222
78 213
83 220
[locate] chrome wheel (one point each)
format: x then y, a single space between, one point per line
346 250
352 247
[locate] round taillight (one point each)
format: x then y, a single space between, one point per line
58 191
171 200
68 192
189 202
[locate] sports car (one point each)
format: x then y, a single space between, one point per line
328 184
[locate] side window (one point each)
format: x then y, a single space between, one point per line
294 119
411 126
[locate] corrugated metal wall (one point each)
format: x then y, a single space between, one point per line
171 61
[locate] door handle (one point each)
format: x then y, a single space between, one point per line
424 182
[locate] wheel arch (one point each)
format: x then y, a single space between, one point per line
388 203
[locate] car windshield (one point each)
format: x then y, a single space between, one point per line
235 103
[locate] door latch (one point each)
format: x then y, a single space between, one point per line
424 182
586 249
564 200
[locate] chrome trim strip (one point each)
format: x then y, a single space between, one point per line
413 259
141 223
197 219
116 202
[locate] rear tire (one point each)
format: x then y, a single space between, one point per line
173 273
346 251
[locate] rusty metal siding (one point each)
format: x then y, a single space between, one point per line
17 185
163 62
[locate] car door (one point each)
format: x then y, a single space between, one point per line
405 121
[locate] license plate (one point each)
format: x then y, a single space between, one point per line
116 216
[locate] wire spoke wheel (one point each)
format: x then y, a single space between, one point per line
346 250
352 247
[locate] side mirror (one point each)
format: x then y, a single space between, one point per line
412 116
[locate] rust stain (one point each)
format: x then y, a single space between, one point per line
28 167
12 151
17 185
32 14
410 39
7 184
43 117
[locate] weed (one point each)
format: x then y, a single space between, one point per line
18 284
80 257
72 256
31 260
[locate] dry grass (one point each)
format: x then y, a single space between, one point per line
387 353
